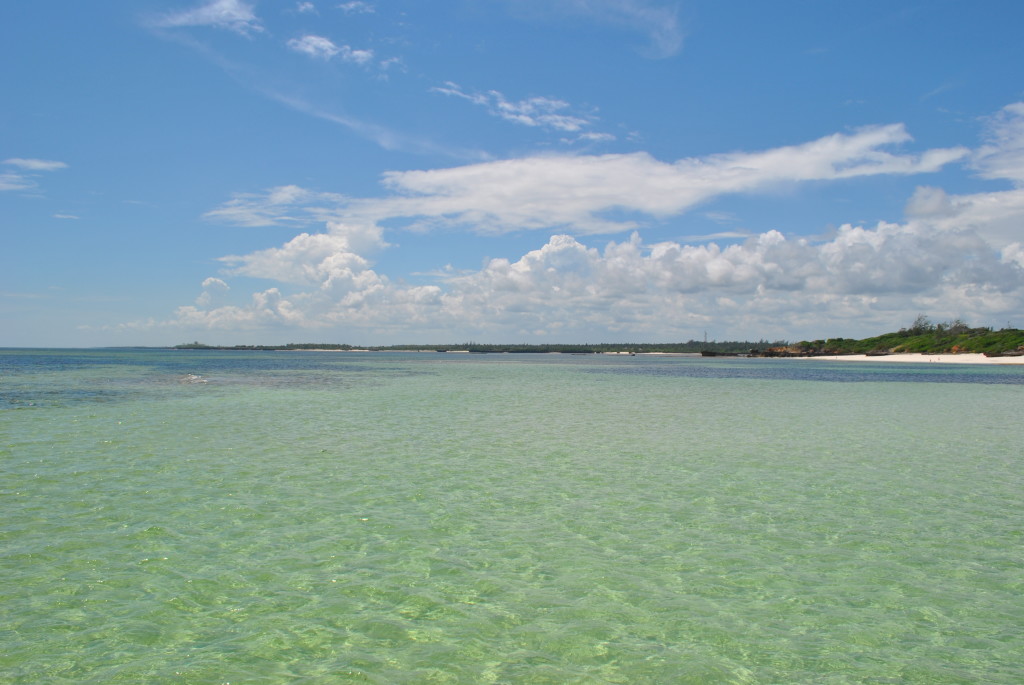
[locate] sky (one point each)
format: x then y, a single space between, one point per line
378 172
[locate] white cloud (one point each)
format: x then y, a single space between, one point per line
577 192
214 290
357 7
233 15
356 56
538 111
769 285
31 169
888 259
281 206
306 8
1002 157
1013 254
590 137
385 137
320 259
323 48
13 181
267 309
954 256
997 216
35 164
658 21
314 46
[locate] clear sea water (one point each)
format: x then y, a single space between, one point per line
288 517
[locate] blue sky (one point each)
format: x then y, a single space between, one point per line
378 172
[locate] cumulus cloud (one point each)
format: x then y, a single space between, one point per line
266 310
663 290
953 256
1013 254
336 284
541 112
313 259
886 259
996 216
232 15
214 290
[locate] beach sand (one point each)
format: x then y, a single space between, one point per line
964 358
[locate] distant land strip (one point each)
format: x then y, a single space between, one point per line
923 337
691 347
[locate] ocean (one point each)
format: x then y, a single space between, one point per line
341 517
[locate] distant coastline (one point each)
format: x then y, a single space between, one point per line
919 358
911 357
693 347
923 341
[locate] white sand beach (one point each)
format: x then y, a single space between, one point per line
964 358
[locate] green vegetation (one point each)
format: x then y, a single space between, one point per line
922 337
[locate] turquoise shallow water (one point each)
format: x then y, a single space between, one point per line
210 517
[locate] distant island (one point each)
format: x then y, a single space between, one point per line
922 337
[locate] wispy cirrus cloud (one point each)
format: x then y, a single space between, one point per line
538 111
387 138
232 15
35 164
656 20
281 206
576 193
28 171
13 181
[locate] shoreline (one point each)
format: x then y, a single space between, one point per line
918 358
